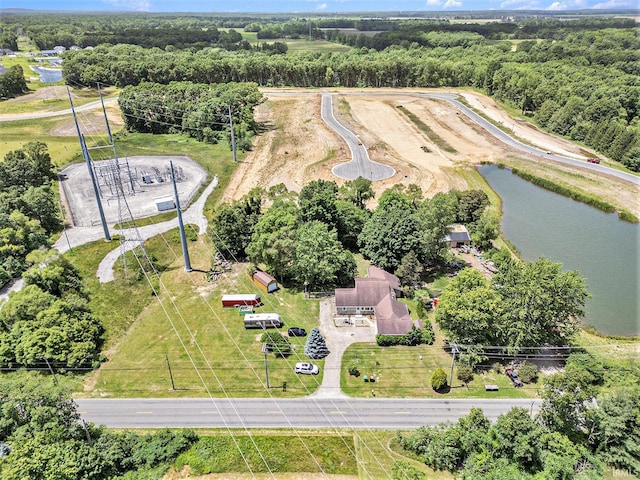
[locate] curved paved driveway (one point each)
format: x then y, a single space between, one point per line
360 164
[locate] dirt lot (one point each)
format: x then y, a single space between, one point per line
298 147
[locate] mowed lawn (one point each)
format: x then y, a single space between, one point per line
207 347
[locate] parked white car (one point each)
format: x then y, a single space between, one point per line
306 368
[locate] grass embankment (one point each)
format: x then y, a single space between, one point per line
424 128
575 195
308 454
266 453
62 149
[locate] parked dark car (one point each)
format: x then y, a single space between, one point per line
297 332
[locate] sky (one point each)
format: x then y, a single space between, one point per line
311 6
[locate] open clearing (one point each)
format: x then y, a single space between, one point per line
298 146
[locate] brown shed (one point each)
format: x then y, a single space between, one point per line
265 281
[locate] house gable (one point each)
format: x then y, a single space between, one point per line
376 294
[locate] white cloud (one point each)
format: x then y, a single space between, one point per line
452 4
616 4
567 5
433 3
520 5
322 6
137 5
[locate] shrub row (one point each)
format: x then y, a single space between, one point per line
580 197
416 336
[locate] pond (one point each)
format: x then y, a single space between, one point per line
48 75
601 247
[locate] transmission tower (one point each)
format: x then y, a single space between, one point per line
112 176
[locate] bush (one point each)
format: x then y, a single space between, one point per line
353 371
527 372
438 379
416 336
465 373
276 343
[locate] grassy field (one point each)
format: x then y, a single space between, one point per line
348 454
209 350
14 135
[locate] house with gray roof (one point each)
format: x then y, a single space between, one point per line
376 295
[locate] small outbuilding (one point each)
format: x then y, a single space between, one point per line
264 281
458 236
164 203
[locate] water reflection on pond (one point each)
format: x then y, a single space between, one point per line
601 247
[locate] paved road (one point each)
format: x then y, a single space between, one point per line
57 113
512 142
309 412
360 164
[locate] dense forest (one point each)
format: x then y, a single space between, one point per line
29 213
582 86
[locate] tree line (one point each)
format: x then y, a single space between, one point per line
199 110
307 239
582 86
29 213
43 437
588 417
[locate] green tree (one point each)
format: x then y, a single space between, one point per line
434 219
276 343
391 232
27 167
357 191
316 346
516 438
527 372
465 373
12 83
616 432
409 271
350 222
566 399
317 202
56 275
232 225
320 260
273 241
540 303
468 308
438 379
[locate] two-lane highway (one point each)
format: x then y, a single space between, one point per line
307 412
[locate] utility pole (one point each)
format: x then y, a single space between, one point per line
173 387
233 138
266 363
55 380
454 350
87 159
183 238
